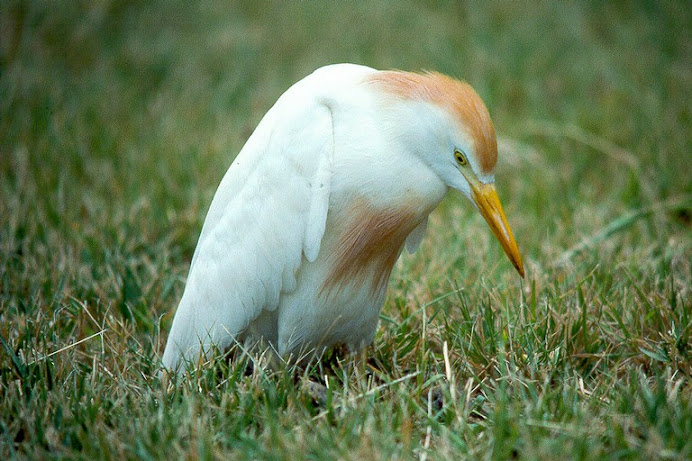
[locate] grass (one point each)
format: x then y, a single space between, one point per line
117 121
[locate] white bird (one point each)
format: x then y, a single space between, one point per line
301 237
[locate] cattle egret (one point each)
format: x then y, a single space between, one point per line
305 227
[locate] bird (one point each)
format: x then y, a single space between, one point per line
301 236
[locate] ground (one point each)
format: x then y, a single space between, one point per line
118 120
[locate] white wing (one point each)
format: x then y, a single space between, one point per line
268 213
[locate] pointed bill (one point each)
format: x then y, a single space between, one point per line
488 204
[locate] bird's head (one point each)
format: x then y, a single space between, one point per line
457 141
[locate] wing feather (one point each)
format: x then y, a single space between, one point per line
319 206
267 217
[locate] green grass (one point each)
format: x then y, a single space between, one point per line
118 120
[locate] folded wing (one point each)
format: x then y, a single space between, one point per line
266 219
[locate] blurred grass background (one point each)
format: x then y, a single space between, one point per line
118 120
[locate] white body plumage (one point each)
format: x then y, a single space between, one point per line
302 233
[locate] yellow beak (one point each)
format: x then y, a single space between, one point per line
489 205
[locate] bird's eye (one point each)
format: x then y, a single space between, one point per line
460 157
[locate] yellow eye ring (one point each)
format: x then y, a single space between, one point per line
460 157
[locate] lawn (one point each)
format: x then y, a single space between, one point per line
118 120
